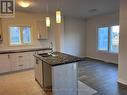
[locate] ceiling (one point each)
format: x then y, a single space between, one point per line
73 8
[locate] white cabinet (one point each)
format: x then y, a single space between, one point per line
42 30
13 61
16 61
21 61
4 63
39 72
0 30
25 60
32 59
43 74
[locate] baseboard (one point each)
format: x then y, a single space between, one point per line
122 81
11 72
90 58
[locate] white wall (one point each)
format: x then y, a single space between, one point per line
30 19
74 36
92 24
123 43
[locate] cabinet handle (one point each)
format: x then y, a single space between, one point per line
36 61
8 56
20 56
20 65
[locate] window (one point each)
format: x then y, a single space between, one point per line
15 35
108 39
26 35
20 35
114 39
103 38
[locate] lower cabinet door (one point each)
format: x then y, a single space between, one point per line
31 59
5 65
13 62
39 72
20 64
26 60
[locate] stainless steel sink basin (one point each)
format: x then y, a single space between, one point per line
54 55
48 55
45 55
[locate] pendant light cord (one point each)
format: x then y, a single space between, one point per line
47 8
58 5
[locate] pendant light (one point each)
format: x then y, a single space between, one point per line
48 22
58 14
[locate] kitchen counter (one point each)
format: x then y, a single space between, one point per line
23 50
59 58
57 72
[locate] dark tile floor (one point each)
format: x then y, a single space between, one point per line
102 77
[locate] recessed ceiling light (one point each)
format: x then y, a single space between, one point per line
24 4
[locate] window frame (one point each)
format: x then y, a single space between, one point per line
109 40
21 36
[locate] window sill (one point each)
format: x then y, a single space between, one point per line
24 45
107 52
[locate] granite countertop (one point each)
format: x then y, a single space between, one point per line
59 59
23 50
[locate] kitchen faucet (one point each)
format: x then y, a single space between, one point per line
51 46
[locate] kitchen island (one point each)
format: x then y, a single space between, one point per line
57 72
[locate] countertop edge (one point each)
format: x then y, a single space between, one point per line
69 62
23 50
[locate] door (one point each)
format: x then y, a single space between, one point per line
39 72
13 62
31 59
1 30
4 63
26 60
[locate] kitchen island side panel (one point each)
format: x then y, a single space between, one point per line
64 79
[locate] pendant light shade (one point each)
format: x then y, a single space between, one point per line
47 18
58 16
48 23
